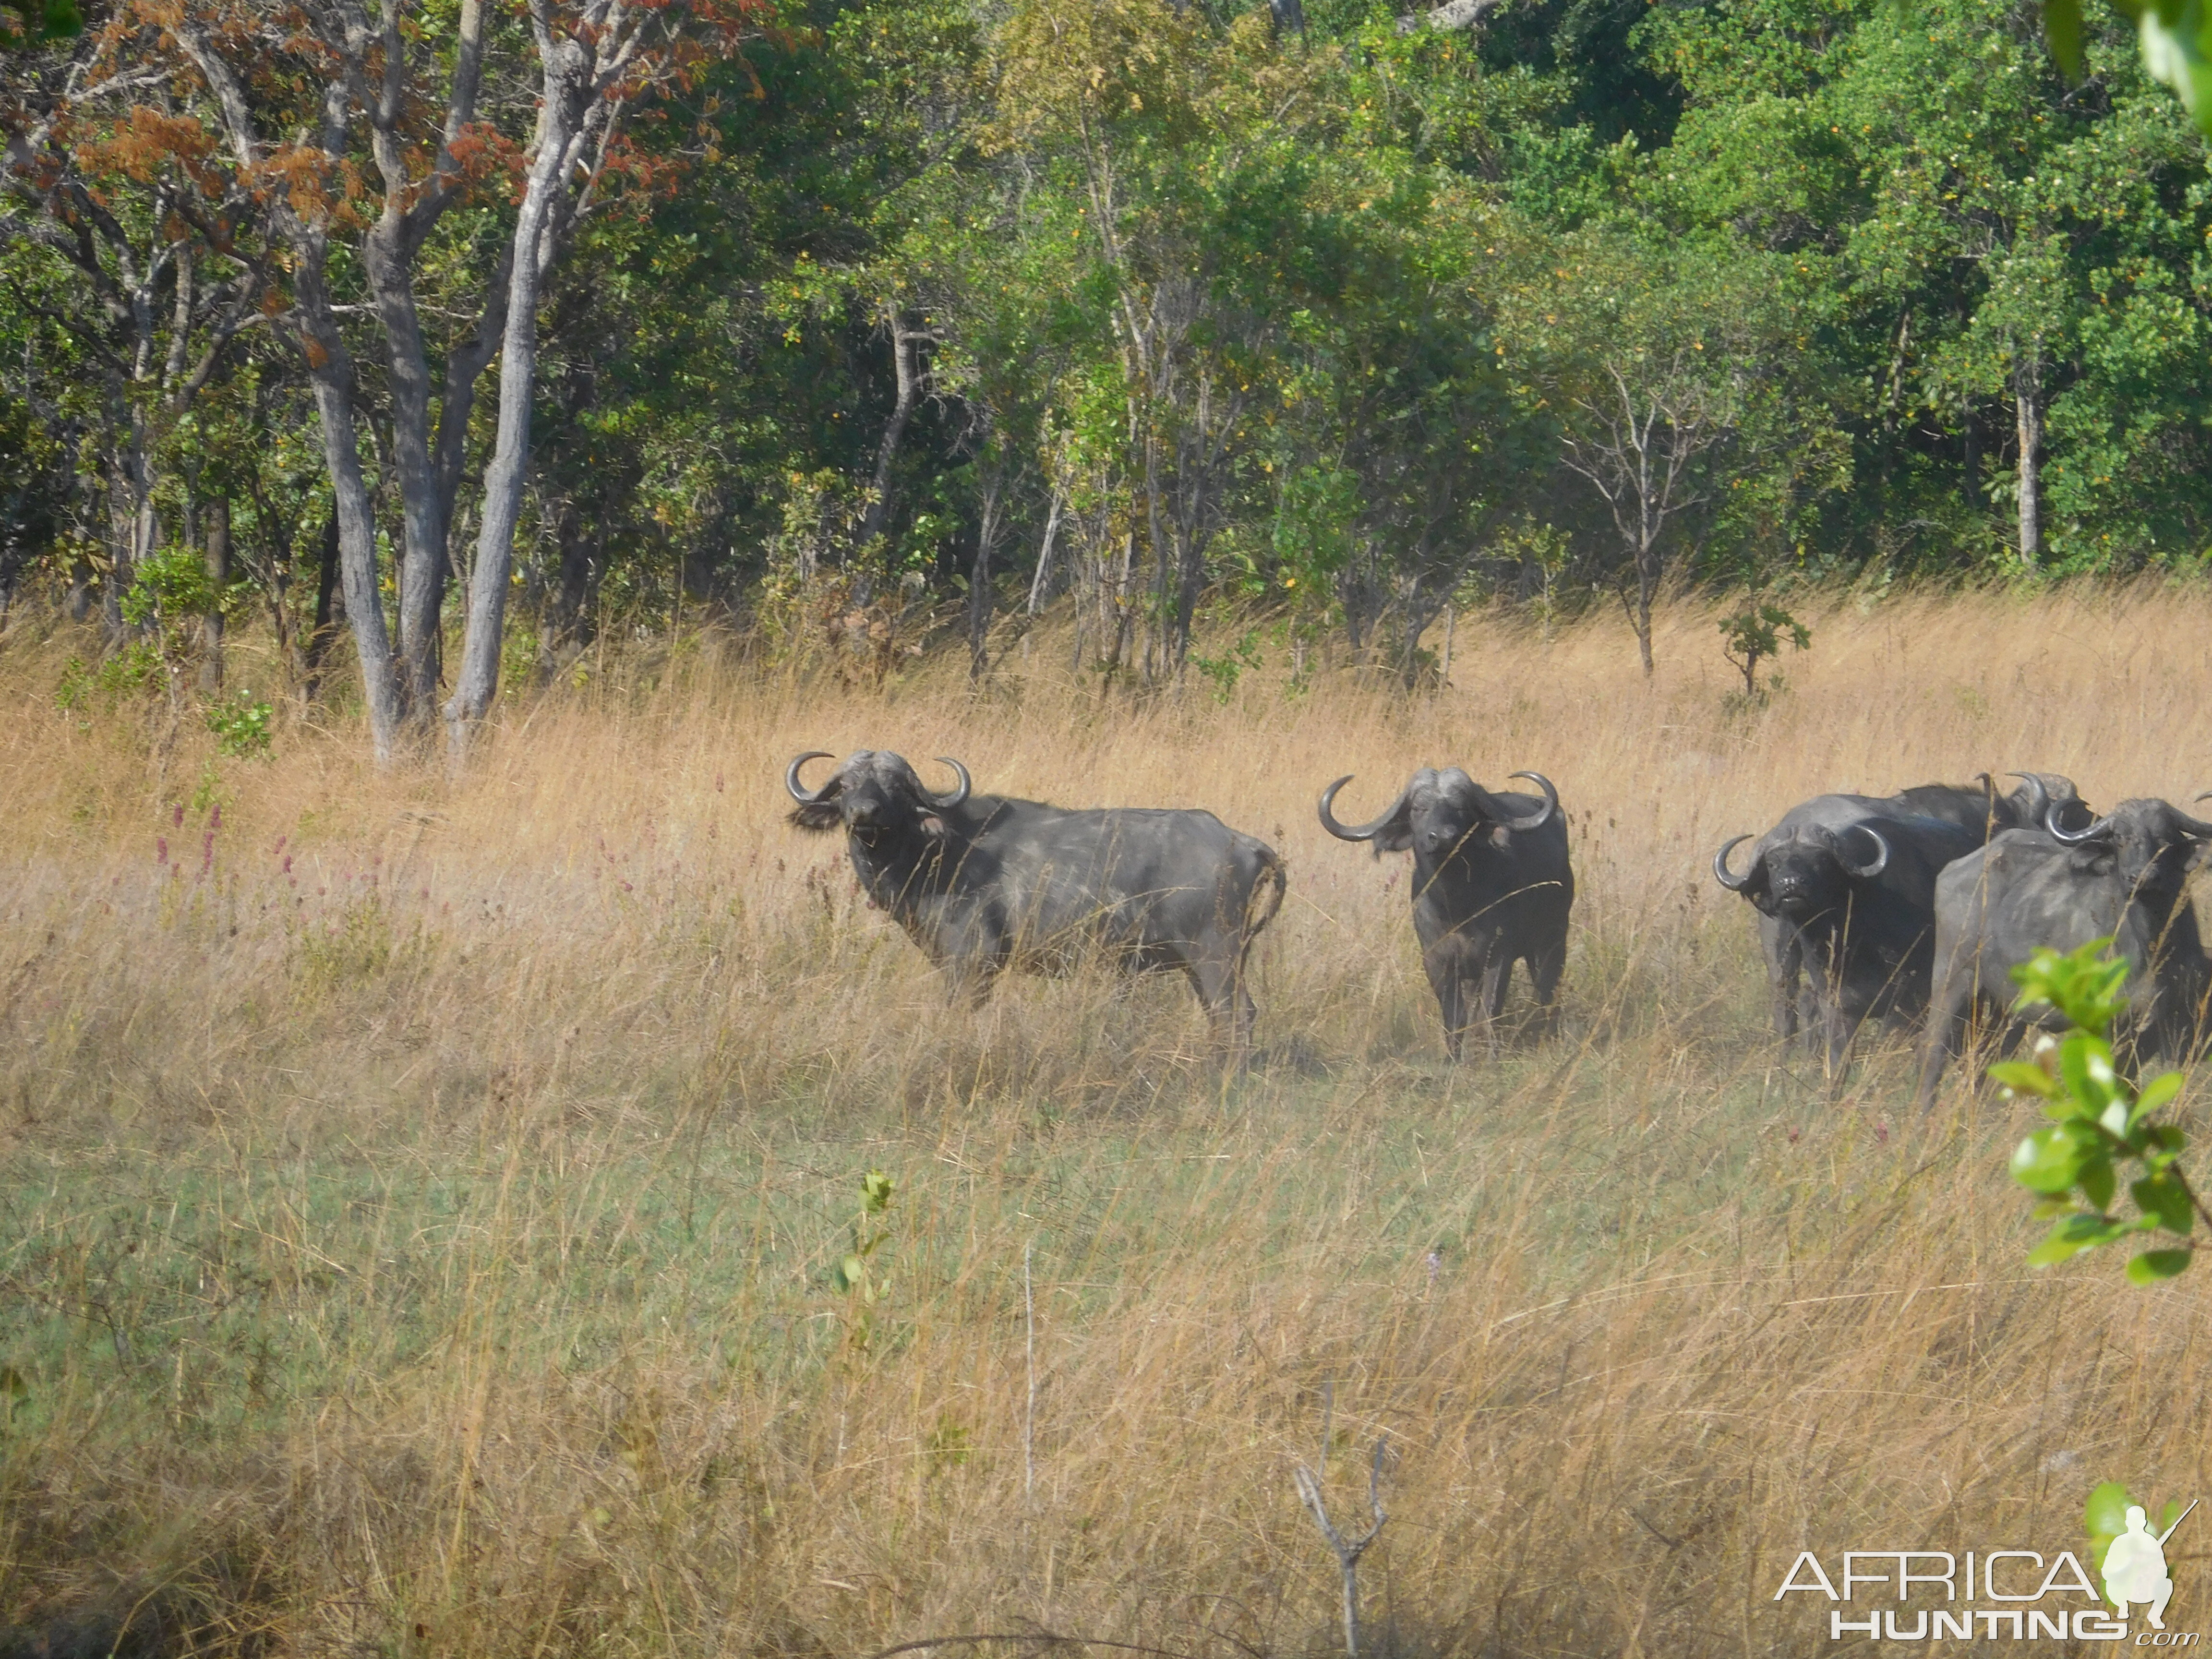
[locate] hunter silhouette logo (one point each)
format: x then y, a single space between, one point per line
2131 1557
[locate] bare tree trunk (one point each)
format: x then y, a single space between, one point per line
566 73
1038 582
388 264
2027 394
217 555
330 374
906 347
1647 585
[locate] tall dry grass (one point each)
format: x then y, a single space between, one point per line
420 1197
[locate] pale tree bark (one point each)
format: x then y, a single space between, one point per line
2027 396
1454 14
1038 582
374 69
584 66
1637 450
330 374
906 366
424 455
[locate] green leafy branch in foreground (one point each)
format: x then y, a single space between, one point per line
2099 1123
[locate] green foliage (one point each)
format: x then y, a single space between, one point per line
1755 634
208 793
2177 45
2100 1125
74 688
37 22
1316 321
853 1275
1223 671
168 583
241 725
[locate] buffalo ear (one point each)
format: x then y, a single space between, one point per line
932 825
1397 834
820 815
2094 859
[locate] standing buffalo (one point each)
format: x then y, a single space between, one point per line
1492 885
982 883
1845 887
2124 876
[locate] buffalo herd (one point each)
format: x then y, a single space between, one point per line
1908 908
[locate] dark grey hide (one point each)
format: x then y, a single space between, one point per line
1844 938
1492 885
1845 890
983 883
1985 810
2126 875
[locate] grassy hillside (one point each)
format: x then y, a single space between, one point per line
419 1200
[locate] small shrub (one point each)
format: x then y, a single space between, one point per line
356 947
241 726
1756 634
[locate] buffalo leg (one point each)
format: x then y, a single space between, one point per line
1785 959
1228 1004
1849 1005
1447 978
1947 1032
1546 963
1496 980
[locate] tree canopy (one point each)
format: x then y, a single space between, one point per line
849 318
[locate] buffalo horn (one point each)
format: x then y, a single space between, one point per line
1365 831
1733 884
2074 837
1539 818
957 795
791 779
2039 794
2197 827
1866 871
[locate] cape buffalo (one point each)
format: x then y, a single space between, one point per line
2124 876
1859 914
1492 885
984 883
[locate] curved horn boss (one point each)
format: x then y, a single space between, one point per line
1733 884
1364 832
1866 871
953 799
790 778
2075 837
1543 816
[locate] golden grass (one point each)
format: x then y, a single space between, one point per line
421 1196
